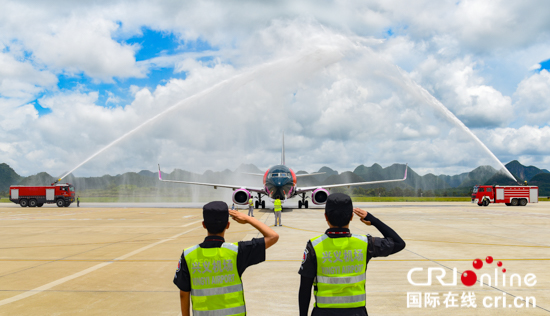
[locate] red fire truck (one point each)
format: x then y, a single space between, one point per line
61 194
512 195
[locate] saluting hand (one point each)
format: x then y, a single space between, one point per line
362 214
239 217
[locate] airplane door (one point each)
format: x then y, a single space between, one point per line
15 194
50 194
500 194
534 195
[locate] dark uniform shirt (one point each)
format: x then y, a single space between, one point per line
377 247
250 253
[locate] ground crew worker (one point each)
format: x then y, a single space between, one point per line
277 208
336 261
78 201
209 274
251 207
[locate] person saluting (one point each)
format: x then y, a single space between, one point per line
209 274
336 262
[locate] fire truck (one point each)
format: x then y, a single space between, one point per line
62 194
512 195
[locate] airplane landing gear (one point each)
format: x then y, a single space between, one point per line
303 202
260 202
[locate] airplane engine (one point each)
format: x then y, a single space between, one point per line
241 196
319 196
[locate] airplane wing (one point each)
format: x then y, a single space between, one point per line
253 174
236 187
306 189
309 174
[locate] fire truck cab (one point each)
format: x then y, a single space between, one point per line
511 195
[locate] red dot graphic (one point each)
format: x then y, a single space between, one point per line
468 278
478 264
489 259
503 270
499 263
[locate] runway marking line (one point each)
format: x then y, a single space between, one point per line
402 260
473 243
109 242
91 269
274 260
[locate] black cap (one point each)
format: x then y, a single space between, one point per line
215 212
339 202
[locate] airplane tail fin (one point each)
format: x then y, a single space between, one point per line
283 151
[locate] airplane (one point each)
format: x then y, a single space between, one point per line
280 183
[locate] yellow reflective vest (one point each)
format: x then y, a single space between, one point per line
341 267
277 206
216 288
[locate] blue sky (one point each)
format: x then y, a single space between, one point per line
150 44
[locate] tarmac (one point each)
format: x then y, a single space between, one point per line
120 260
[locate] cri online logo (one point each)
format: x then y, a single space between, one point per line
469 277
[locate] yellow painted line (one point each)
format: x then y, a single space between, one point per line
50 285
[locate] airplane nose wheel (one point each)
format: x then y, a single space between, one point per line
260 202
303 202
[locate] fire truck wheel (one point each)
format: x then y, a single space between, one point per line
479 204
523 202
60 203
514 202
508 204
32 203
39 204
67 204
23 202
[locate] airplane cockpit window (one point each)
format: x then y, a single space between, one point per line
279 175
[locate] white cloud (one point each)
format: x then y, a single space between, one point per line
523 141
463 91
533 98
21 80
356 110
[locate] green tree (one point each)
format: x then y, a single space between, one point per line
396 191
